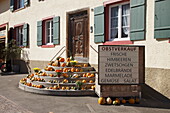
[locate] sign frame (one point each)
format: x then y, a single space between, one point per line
141 65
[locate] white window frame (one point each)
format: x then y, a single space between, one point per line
51 34
119 22
19 35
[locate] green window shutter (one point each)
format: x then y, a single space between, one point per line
25 35
39 33
56 30
26 2
99 24
11 5
162 19
137 19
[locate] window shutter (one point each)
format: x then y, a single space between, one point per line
56 30
25 35
162 17
26 3
99 24
137 19
11 5
39 33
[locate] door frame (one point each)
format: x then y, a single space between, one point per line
68 25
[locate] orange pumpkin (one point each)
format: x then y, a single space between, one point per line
84 81
58 70
101 100
84 75
61 60
92 75
91 81
131 101
76 70
63 88
85 65
123 101
54 64
73 69
63 64
88 74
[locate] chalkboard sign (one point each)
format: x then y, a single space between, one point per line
118 64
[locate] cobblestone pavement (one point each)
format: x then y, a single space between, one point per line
7 106
15 100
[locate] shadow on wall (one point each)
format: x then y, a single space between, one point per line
153 99
4 5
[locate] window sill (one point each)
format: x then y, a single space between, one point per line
118 42
16 10
47 46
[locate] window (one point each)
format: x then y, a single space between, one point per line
119 22
19 35
19 4
49 32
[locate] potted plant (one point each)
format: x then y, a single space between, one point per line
11 53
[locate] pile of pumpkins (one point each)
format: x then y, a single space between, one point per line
117 101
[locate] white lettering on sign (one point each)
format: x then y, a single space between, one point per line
118 64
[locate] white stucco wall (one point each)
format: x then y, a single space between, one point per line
157 51
39 10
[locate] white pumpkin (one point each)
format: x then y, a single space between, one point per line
109 100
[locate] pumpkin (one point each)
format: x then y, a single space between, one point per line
63 88
137 100
91 81
61 60
58 70
109 100
65 81
85 65
88 74
81 70
63 64
76 70
93 87
131 101
54 64
123 101
55 87
84 81
67 88
117 101
92 75
73 69
51 75
68 60
101 101
84 75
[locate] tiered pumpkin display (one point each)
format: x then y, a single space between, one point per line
62 75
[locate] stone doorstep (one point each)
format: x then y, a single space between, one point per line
8 106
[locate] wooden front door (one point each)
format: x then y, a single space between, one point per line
78 35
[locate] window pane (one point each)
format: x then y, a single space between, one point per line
114 11
125 20
125 32
114 22
125 9
114 33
